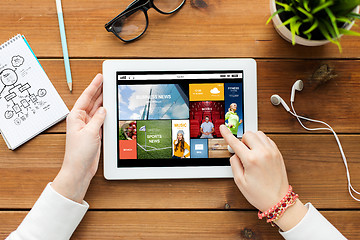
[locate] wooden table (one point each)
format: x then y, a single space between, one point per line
190 209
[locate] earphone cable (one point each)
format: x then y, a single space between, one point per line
350 187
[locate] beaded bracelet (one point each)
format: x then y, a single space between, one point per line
278 210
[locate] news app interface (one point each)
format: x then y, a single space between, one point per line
173 119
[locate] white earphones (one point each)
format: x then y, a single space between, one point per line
276 100
298 86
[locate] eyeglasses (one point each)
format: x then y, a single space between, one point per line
133 21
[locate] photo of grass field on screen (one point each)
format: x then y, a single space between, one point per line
154 139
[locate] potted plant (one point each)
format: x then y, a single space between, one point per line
314 22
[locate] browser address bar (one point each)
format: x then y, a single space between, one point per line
180 76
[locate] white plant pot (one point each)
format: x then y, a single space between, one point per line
285 33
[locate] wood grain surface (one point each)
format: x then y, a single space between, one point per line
315 169
194 208
181 225
229 28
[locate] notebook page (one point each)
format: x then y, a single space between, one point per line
29 103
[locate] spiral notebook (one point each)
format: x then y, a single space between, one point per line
29 103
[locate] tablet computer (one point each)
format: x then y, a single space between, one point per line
163 116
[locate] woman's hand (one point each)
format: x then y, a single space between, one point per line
259 172
258 168
83 142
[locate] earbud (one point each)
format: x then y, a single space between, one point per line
298 85
276 100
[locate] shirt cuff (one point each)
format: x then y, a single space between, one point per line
52 217
313 226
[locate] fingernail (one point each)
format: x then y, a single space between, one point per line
101 110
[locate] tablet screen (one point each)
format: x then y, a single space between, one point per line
172 119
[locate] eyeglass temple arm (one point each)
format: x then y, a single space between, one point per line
107 25
132 4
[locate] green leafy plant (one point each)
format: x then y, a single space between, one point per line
317 19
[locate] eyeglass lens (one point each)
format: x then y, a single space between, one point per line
134 24
131 26
167 6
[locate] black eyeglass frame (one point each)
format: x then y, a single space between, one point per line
144 6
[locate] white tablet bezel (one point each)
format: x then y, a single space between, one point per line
110 145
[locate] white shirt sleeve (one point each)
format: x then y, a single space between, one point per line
52 217
313 226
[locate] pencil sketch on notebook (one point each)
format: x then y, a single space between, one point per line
22 100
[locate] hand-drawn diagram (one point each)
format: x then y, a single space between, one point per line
20 99
17 61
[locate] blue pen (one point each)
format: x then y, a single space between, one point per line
64 44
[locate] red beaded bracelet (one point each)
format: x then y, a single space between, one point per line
278 210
